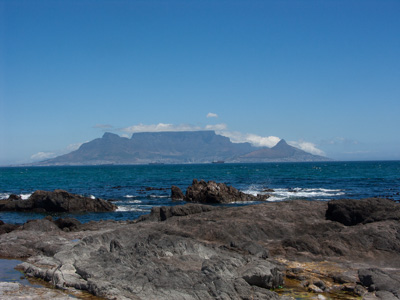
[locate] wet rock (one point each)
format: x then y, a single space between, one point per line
211 192
15 290
314 289
14 197
320 284
57 201
176 193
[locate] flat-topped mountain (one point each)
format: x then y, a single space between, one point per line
175 148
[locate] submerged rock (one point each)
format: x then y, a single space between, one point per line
57 201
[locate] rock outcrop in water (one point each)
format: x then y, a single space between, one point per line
204 252
57 201
212 192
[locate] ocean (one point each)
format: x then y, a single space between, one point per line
136 189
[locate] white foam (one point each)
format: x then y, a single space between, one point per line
282 194
130 196
92 197
25 196
133 201
131 208
159 196
4 195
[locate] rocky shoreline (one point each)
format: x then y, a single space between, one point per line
342 249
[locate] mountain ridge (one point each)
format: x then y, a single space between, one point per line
175 147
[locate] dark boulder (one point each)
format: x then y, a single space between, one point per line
176 193
378 280
165 212
6 228
57 201
67 223
352 212
211 193
14 197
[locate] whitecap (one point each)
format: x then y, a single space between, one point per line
130 196
4 195
25 196
133 201
131 208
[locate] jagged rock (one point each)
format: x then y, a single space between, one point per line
176 193
352 212
57 201
211 192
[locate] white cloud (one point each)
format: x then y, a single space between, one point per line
216 127
72 147
212 115
43 155
307 146
160 127
255 140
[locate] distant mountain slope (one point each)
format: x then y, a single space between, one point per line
280 152
175 148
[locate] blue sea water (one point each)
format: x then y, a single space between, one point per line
136 189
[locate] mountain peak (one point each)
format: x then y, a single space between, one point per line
108 135
281 144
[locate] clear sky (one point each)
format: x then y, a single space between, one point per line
324 75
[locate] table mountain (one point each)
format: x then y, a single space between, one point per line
175 148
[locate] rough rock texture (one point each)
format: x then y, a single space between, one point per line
5 228
206 252
57 201
379 280
165 212
352 212
176 193
14 291
212 192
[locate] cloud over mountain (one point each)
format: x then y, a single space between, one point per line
222 129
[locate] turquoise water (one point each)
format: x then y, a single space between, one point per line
136 189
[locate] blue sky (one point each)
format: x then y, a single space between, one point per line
323 75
